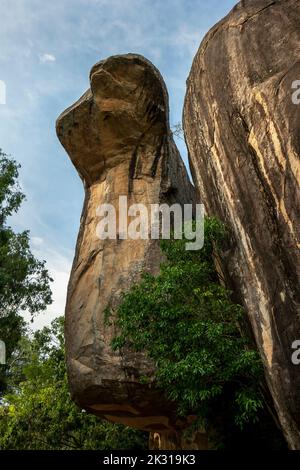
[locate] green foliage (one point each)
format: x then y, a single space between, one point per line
187 323
39 414
10 195
24 280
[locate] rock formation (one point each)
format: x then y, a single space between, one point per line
119 140
243 135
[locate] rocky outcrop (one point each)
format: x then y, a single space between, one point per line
119 140
243 135
195 440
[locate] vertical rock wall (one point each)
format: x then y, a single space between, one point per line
243 135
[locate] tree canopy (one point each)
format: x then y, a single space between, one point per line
188 324
24 280
38 413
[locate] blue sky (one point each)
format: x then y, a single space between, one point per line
46 51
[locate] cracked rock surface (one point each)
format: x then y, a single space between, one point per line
243 135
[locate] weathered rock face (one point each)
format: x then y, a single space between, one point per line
243 135
118 137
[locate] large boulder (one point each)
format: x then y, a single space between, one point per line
119 140
243 135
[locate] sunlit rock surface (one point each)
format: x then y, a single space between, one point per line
243 135
119 140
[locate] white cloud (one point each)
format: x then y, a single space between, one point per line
59 267
47 58
36 241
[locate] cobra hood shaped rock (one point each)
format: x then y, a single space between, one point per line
119 140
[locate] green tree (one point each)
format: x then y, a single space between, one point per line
189 326
39 413
24 280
